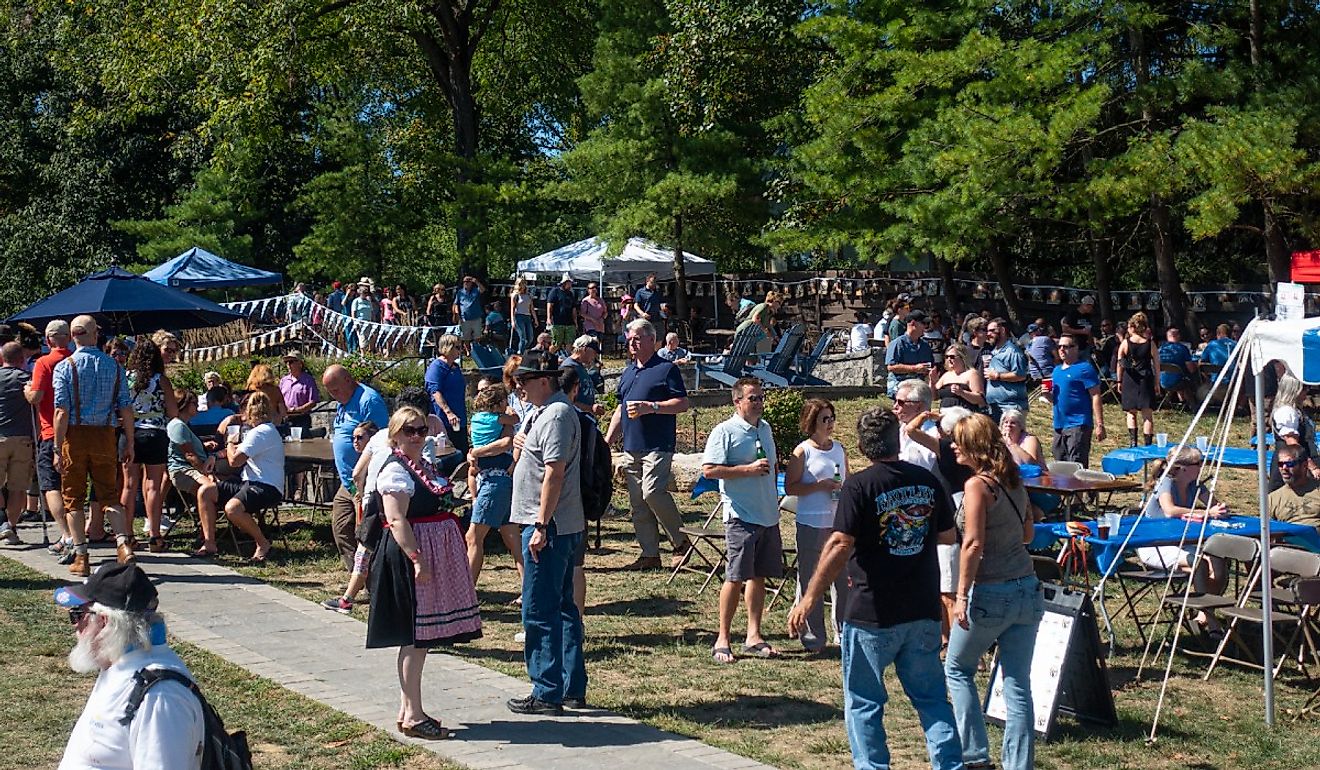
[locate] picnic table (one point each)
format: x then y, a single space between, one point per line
1129 460
1070 489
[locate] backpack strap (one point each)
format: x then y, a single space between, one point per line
144 679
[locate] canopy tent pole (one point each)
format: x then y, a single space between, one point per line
1266 583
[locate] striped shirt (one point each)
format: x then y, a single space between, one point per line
96 399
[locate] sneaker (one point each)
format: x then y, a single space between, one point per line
577 704
338 604
67 556
520 637
11 537
58 547
32 517
81 565
534 705
166 524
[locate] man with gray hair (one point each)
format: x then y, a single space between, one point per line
121 638
90 388
651 395
890 518
41 394
912 400
586 349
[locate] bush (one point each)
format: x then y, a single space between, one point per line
783 411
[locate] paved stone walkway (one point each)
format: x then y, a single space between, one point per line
320 654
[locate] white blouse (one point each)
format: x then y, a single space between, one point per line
394 478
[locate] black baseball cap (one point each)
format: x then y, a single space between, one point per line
536 365
918 315
117 586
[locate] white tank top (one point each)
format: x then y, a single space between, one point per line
524 306
816 509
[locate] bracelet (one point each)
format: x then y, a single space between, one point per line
415 556
961 597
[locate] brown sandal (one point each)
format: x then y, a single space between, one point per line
428 729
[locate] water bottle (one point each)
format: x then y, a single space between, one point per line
838 479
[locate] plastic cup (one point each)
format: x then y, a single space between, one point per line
296 433
1161 440
1104 531
1047 385
1202 443
234 433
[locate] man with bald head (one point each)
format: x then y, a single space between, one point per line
90 388
357 403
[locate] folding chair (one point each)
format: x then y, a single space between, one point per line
1240 559
1307 591
489 361
1139 581
1179 371
706 544
1285 563
787 505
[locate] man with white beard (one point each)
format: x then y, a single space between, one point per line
120 634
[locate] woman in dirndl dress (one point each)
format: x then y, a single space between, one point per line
421 592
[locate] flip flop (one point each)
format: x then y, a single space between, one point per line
761 650
202 553
727 654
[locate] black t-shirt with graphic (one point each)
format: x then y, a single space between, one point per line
894 510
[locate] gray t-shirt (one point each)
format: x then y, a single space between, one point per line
15 412
552 434
180 435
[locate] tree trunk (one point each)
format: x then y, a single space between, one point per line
1276 247
1166 272
680 274
949 288
1104 274
1004 275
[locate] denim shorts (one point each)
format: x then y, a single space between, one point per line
494 499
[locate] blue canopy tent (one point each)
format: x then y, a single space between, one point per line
127 303
198 268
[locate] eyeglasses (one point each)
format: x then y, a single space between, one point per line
414 430
753 399
910 401
76 614
360 437
828 418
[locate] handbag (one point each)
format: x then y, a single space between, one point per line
372 527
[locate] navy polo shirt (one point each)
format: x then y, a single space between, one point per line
658 380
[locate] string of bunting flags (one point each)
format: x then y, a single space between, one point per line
255 344
367 334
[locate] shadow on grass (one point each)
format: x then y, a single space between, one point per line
647 606
758 712
30 584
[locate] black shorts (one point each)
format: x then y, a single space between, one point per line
252 495
580 554
151 446
754 551
48 479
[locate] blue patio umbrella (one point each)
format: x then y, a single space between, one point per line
126 303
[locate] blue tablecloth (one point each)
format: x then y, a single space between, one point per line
1122 462
1169 532
705 485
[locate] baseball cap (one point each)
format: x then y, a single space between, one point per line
566 278
335 284
536 365
117 586
905 297
918 315
626 298
1287 421
57 327
1087 300
1033 328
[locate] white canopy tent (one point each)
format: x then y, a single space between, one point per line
1295 343
586 260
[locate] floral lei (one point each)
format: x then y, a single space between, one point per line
430 478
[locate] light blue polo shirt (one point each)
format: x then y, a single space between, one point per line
751 499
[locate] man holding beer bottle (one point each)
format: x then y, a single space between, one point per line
740 453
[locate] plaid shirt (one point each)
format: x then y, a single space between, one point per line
96 399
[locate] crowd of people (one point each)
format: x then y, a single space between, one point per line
923 549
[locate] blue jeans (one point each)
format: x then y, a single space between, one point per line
1008 613
914 649
522 337
553 649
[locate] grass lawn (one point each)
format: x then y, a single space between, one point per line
648 653
42 698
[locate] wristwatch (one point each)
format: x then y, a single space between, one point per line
540 527
655 407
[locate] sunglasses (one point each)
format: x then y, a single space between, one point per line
753 399
414 430
1289 463
828 418
910 401
76 614
360 437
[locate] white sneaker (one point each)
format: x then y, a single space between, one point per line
520 637
166 524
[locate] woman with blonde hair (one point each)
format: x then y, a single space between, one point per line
262 379
169 345
961 384
258 449
816 471
999 598
421 593
1138 377
763 316
522 309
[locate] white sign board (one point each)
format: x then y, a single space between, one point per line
1290 301
1046 669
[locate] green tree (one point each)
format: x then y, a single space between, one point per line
208 216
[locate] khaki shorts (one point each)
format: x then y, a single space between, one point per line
470 330
188 481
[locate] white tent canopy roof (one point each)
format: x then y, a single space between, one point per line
1296 343
586 260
